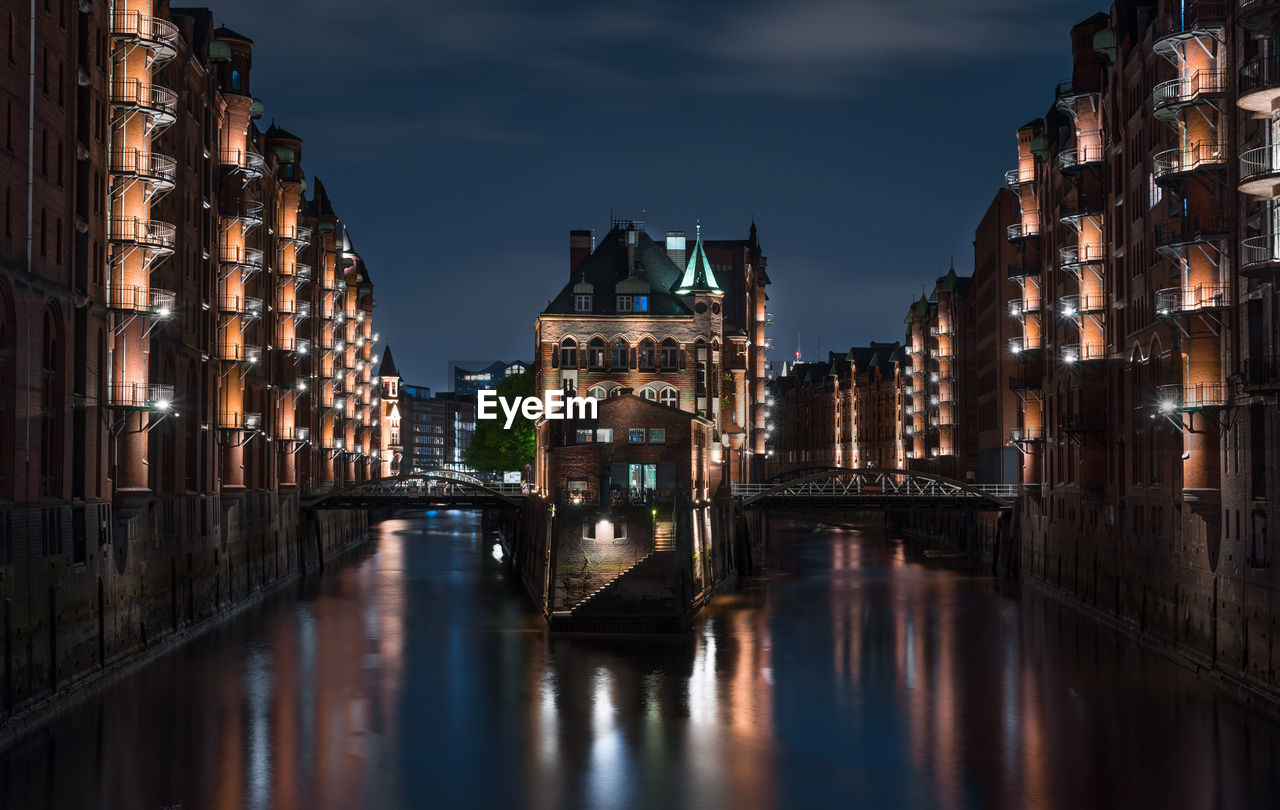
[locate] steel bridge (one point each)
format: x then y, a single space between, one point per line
874 488
432 489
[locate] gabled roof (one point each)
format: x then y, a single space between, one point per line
698 276
223 32
388 366
607 267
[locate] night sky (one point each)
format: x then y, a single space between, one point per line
461 140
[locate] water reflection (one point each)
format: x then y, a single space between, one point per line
853 673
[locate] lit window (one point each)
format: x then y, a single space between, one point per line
619 359
646 354
604 434
625 303
670 354
669 397
649 394
584 435
597 391
569 353
657 435
582 303
595 353
635 436
642 303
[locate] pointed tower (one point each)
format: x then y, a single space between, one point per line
390 450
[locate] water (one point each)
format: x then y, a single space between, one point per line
852 675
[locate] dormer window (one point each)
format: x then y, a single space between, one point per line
582 303
641 303
625 303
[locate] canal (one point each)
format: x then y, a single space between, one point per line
852 674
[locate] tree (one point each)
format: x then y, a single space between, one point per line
493 447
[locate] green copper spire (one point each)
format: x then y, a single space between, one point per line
698 277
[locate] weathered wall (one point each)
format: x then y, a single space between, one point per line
145 580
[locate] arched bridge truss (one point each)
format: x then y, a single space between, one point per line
433 489
874 488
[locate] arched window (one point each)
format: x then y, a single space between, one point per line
670 354
569 353
619 359
235 80
647 349
649 394
595 353
615 391
597 391
669 396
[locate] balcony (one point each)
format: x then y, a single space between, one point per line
158 103
1258 88
298 310
1260 172
1073 257
1023 230
1068 95
1022 345
1073 353
295 269
240 305
1026 435
1176 94
1193 397
1261 372
1175 164
298 346
1257 15
248 213
1088 151
157 170
295 234
140 396
239 420
156 35
1260 256
149 234
1020 306
1175 301
244 161
155 303
1074 306
1185 22
247 260
1015 179
235 352
1176 233
1080 206
294 433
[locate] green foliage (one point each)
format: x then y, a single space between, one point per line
495 449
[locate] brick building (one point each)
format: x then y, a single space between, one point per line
172 374
684 328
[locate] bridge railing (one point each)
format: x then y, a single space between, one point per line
853 488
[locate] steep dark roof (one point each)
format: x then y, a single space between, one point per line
698 276
388 366
606 268
319 205
274 131
223 32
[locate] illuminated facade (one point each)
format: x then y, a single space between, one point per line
678 325
166 354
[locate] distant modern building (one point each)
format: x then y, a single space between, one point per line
476 376
424 432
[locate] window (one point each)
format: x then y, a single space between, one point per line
647 348
569 353
619 359
635 436
670 354
657 435
641 303
604 435
584 435
595 353
597 391
624 303
649 394
235 80
669 397
582 303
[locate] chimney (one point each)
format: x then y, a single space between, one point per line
676 248
579 249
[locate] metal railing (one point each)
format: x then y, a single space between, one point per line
239 420
1179 230
240 256
237 352
1190 18
1189 158
295 345
1023 230
150 165
1260 250
1173 300
1188 88
1072 306
1191 397
875 485
154 32
1074 255
141 396
250 212
245 160
148 300
1089 149
241 305
151 98
1082 352
152 233
1018 177
1265 160
296 233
